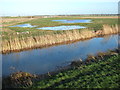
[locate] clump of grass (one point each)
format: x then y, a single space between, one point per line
19 80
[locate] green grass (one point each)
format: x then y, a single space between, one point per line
100 74
97 23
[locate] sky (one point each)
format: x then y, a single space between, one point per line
57 7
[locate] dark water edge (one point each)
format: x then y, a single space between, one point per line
0 83
41 61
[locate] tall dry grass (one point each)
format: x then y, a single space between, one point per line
19 44
110 29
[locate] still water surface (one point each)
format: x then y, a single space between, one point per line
62 27
23 25
74 21
39 61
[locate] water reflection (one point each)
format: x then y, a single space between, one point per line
62 27
47 59
23 25
74 21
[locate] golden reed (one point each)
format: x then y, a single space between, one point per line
19 44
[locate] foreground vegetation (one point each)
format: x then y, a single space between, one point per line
98 74
101 71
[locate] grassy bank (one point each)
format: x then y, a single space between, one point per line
18 38
102 73
24 43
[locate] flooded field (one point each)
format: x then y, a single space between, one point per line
67 27
39 61
70 27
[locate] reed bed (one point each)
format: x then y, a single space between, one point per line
18 44
110 29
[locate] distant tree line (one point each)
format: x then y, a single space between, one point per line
34 16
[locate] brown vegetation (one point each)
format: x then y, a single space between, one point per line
22 43
19 80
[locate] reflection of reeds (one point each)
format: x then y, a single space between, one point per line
22 43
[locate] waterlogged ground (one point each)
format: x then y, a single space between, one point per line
96 23
59 27
40 61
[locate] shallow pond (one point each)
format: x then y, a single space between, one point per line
23 25
62 27
73 21
40 61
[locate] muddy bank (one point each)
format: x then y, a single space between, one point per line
20 44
